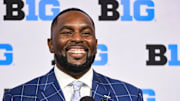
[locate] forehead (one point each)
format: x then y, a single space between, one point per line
71 17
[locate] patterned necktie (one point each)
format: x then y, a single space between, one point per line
76 86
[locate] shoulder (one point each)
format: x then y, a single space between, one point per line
118 87
28 89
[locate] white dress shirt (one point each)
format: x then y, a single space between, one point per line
65 81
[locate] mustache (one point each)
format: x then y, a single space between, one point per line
69 45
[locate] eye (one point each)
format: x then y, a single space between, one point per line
66 32
86 33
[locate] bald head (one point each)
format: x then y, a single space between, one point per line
55 20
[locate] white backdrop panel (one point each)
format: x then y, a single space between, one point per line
126 42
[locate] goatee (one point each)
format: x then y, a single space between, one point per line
73 69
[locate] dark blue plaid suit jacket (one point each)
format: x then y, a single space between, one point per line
46 88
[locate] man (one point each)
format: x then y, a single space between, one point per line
74 45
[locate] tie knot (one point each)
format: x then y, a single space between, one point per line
77 85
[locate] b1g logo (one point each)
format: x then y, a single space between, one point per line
142 10
6 58
102 55
157 54
14 9
148 94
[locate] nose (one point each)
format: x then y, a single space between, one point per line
77 37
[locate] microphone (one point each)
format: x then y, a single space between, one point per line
87 98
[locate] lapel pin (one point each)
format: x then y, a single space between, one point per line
107 96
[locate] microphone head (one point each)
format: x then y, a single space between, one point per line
87 98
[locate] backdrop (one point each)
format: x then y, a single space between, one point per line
138 42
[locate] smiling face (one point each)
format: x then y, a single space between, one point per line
73 43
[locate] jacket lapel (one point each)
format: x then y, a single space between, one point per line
49 89
99 91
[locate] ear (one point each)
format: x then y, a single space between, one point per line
51 48
96 44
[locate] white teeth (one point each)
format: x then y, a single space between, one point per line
76 51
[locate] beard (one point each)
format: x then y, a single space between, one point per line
74 69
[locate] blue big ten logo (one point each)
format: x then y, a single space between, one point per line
157 54
148 94
142 10
6 55
102 55
14 9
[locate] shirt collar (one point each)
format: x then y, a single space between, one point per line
64 79
87 78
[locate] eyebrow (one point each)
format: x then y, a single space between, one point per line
71 28
66 27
